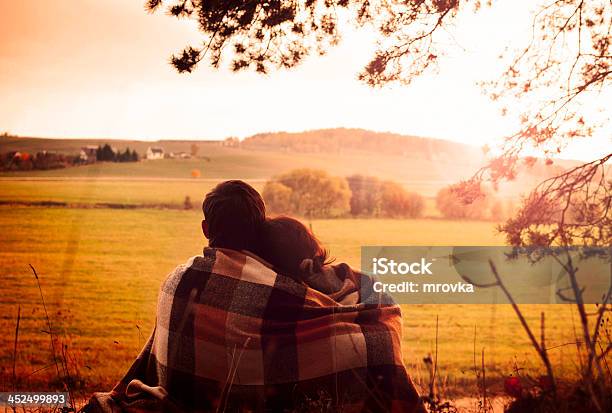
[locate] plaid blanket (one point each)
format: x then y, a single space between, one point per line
233 335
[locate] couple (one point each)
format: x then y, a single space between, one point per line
262 322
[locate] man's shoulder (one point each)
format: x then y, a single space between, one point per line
197 264
204 261
225 263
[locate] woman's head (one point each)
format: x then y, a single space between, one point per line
285 243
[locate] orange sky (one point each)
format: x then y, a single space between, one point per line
91 68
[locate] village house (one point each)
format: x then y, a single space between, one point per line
88 153
155 152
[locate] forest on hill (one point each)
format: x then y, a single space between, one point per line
341 140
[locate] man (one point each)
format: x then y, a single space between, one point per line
233 212
231 334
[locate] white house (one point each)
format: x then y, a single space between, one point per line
155 152
88 153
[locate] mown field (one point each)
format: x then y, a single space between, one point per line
152 192
100 270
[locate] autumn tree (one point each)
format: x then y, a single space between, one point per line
371 196
308 192
366 195
452 206
278 198
399 203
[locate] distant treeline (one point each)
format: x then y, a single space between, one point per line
315 194
24 161
44 160
105 153
338 140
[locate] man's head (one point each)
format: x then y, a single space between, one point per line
233 213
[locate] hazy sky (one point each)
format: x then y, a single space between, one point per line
92 68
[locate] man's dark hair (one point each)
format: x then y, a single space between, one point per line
234 211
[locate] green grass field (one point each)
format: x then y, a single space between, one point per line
109 190
129 192
100 270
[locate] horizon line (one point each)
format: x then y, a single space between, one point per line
11 135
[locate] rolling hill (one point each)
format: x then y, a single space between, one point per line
420 164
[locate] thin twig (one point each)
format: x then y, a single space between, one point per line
42 298
484 381
435 369
15 347
540 350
